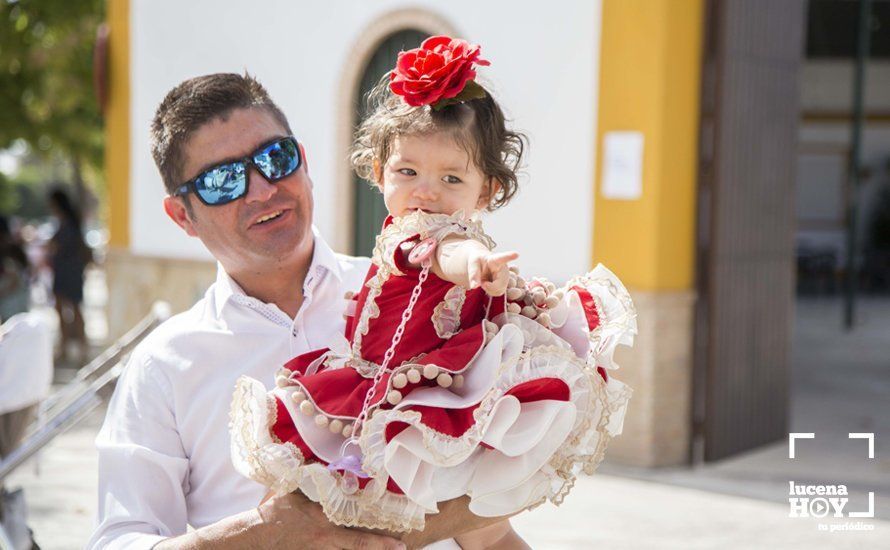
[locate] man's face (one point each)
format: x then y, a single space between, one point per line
234 232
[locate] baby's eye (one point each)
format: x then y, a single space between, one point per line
452 179
407 172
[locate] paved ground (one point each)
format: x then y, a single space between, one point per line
603 511
841 384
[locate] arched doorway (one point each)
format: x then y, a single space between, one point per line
367 200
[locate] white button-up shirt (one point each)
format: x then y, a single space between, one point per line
164 448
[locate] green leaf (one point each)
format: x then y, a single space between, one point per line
471 91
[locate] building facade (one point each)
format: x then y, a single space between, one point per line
619 99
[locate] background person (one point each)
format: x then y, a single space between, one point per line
15 274
68 258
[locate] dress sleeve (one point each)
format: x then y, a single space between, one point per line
143 470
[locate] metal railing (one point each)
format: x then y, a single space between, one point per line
93 384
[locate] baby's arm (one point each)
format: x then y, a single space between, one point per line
470 264
493 537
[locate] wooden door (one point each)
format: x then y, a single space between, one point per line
745 270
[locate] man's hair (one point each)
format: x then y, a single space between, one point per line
194 103
477 125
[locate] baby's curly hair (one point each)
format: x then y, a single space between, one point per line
476 125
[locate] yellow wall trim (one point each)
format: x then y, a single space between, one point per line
650 64
117 123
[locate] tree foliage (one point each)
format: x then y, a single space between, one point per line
46 66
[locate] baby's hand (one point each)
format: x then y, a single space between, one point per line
490 271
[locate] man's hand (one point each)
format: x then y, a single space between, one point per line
293 521
490 270
290 521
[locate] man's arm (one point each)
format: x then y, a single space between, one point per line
143 470
291 521
142 465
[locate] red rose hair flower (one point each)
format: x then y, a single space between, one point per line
437 72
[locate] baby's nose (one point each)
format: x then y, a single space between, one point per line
425 189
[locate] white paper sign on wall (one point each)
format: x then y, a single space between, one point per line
623 165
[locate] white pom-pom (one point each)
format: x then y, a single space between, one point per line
336 426
513 308
393 397
347 430
349 295
538 297
282 381
430 371
400 380
514 294
544 319
298 397
444 380
414 376
530 312
458 380
551 301
321 420
514 269
307 408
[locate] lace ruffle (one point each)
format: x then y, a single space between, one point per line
255 454
371 508
437 226
616 313
370 309
446 316
600 407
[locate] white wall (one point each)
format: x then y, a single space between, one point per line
544 72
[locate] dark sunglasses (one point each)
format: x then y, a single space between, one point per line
226 182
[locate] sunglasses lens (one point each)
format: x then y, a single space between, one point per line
222 184
278 160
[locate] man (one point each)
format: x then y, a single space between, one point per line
164 448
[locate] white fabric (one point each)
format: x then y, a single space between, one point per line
164 458
26 360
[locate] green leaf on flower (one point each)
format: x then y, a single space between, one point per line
471 91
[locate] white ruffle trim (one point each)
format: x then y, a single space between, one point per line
255 454
446 316
615 310
371 508
597 413
436 226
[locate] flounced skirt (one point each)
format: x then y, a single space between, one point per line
537 407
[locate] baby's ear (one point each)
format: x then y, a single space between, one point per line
490 189
378 174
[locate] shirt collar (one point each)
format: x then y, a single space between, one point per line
324 261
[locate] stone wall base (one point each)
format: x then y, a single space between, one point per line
658 425
135 282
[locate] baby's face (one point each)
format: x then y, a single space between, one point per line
431 173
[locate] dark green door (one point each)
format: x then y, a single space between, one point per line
369 209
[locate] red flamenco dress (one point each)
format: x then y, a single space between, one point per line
505 400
